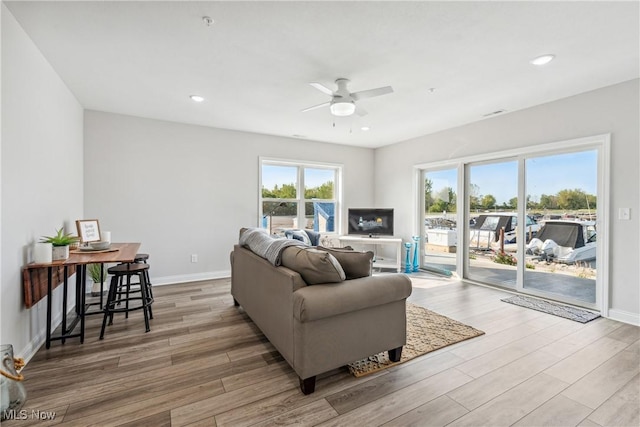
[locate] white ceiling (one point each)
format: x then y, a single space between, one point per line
253 65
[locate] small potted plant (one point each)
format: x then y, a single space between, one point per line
98 274
60 243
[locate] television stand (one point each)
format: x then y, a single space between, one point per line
376 241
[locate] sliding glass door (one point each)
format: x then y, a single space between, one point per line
530 221
492 190
562 192
440 223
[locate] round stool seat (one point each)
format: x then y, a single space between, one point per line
121 269
141 258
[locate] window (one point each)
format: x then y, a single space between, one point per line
299 195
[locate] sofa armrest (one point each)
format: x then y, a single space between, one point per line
325 300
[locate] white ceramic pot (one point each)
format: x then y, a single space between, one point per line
60 252
95 288
42 253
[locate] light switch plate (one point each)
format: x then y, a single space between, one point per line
624 213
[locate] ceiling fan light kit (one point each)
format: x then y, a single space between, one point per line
343 102
342 108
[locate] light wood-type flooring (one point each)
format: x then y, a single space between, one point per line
205 363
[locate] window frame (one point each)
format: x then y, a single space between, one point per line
601 143
300 198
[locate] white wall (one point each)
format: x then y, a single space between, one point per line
41 175
184 189
614 110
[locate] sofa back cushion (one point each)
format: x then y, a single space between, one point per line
314 265
354 263
298 235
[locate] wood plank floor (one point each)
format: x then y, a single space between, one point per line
205 363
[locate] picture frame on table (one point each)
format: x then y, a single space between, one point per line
88 230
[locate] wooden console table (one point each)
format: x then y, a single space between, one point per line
378 241
35 287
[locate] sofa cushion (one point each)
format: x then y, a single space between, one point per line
325 300
298 235
314 237
315 266
355 264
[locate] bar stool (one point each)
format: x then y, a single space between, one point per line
117 295
139 258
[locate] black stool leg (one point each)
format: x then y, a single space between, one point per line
107 307
145 301
126 314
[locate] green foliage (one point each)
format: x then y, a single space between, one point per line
287 191
504 258
530 266
575 199
428 199
567 200
548 202
60 239
324 191
443 201
488 201
93 270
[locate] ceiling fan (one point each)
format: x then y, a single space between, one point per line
343 102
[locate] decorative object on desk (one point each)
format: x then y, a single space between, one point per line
426 331
407 263
100 246
88 230
105 236
60 244
416 254
12 391
42 253
98 274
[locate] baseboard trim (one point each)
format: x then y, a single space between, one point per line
624 316
184 278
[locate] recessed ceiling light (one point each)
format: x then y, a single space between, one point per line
543 59
365 128
196 98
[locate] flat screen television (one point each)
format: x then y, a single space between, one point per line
370 222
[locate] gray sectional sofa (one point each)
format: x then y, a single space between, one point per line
325 325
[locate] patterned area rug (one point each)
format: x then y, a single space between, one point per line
572 313
426 331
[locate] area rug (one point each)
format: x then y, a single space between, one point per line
426 331
572 313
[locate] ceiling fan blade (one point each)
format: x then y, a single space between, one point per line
324 104
322 88
361 111
371 93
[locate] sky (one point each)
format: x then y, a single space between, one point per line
545 175
272 175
